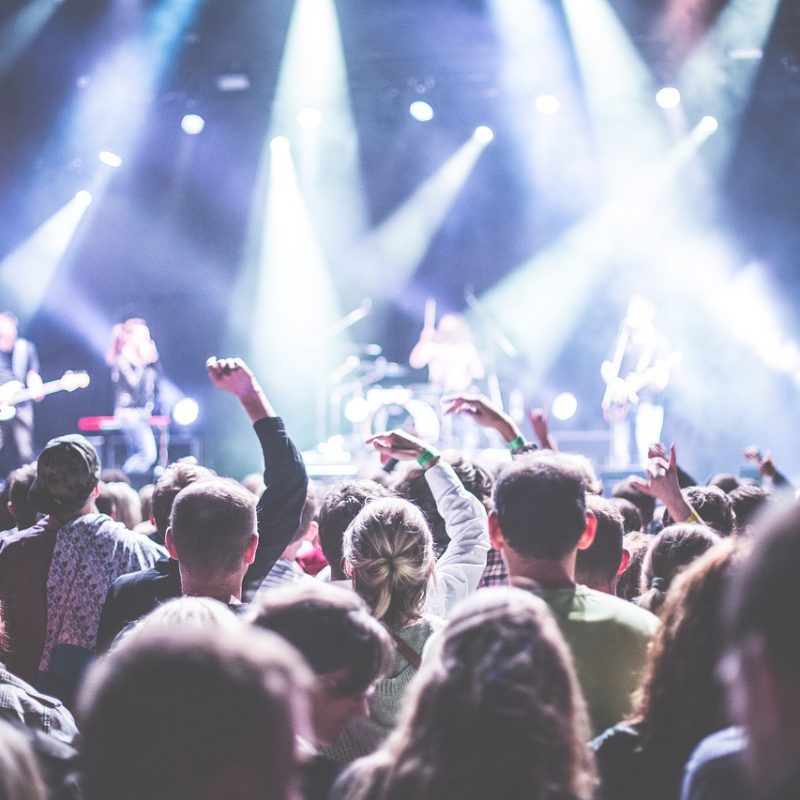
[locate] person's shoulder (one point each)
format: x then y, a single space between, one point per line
164 570
18 542
612 608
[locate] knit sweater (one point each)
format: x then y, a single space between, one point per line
363 736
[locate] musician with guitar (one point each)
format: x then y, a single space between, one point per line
636 376
19 368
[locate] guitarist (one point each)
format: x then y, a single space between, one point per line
636 377
18 362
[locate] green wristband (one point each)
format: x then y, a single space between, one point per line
426 456
517 443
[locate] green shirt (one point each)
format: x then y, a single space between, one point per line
608 638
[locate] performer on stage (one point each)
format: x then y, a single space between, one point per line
449 353
636 377
136 372
19 364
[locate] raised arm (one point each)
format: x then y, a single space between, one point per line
662 483
460 567
281 504
486 415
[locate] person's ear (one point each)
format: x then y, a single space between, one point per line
10 509
624 561
589 531
250 552
169 543
496 536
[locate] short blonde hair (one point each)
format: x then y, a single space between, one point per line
389 549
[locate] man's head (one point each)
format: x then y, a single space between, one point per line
346 647
212 532
188 713
339 508
540 509
631 516
8 330
763 668
19 506
627 490
599 564
713 506
747 502
176 476
68 471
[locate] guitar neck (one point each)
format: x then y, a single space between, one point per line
23 395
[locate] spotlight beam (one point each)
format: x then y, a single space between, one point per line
28 271
395 248
20 32
714 83
621 230
630 133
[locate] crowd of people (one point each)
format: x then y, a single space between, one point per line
440 631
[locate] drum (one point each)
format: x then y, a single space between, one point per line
397 407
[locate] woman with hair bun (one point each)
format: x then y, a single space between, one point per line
669 553
389 555
496 711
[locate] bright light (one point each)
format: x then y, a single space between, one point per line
421 111
83 198
484 134
357 409
193 124
309 117
709 124
668 97
280 144
110 159
186 411
547 104
564 406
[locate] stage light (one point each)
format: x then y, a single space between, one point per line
27 273
484 134
421 111
386 258
357 410
564 406
668 97
309 117
280 144
547 104
186 411
193 124
709 124
109 159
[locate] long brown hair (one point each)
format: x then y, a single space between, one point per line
499 689
680 700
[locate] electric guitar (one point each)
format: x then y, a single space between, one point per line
15 392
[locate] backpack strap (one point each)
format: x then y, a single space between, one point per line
407 651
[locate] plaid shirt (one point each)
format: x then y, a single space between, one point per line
496 573
22 703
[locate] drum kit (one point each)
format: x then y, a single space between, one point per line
369 394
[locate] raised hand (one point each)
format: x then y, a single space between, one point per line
234 376
400 445
661 482
541 428
483 412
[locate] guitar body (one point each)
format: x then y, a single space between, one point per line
15 392
7 394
